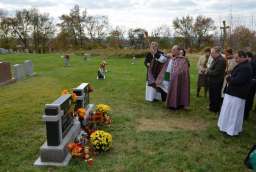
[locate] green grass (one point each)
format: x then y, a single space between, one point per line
22 131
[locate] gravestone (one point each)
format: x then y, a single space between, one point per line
3 51
82 92
61 129
86 56
5 73
133 60
66 60
19 72
28 67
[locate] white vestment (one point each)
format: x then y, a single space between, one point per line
231 115
165 83
152 94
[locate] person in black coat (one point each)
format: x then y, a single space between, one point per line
151 59
215 75
236 92
154 62
239 82
250 98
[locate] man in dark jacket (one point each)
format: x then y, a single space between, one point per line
216 77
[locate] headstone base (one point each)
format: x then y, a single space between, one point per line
7 82
40 163
33 74
58 155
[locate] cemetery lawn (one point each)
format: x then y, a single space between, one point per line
146 136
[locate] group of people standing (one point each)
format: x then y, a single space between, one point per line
168 77
229 78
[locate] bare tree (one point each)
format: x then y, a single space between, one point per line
243 37
202 27
162 31
137 38
184 28
74 24
21 26
5 32
78 21
96 27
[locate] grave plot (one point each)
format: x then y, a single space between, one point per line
74 129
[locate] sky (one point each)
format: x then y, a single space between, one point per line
148 14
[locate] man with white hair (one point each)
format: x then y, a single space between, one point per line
216 74
178 96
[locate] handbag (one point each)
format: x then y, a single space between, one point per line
250 160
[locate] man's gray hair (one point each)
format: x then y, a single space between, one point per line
176 46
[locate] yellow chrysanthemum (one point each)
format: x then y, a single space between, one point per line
103 108
101 140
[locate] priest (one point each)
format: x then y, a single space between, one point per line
179 89
154 62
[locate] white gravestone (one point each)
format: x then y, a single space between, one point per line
28 67
19 72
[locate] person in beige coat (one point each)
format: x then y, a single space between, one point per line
202 68
231 64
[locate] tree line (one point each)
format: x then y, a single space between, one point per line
33 31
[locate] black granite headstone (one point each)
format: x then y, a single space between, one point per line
59 121
82 92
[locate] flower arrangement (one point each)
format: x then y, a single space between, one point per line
73 97
79 148
81 113
90 139
103 108
75 149
101 140
101 116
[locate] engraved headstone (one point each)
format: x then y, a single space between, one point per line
61 129
66 60
28 67
19 72
5 73
82 92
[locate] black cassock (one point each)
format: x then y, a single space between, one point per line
155 65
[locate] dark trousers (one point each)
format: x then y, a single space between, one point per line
215 95
249 102
163 94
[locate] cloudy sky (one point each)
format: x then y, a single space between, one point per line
144 13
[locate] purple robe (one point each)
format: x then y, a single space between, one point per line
179 89
160 77
153 71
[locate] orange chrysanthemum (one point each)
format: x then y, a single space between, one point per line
81 112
